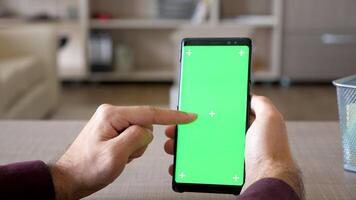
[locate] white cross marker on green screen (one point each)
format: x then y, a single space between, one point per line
212 113
235 178
241 52
189 52
181 175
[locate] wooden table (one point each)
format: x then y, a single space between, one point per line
315 145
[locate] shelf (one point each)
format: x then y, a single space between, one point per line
21 21
68 22
12 21
251 20
138 23
134 76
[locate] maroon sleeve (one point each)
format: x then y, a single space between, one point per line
26 180
268 189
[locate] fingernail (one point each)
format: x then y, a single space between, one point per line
192 115
149 136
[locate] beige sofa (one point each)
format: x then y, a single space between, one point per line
28 80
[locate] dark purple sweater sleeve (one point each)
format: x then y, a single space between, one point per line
26 180
268 189
32 180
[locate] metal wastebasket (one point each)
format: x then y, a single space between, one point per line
346 98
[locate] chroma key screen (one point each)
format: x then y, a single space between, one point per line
214 84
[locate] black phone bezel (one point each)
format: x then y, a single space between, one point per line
210 188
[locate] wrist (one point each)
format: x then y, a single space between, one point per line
61 182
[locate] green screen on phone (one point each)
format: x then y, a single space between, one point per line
214 84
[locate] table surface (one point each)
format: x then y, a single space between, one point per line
316 147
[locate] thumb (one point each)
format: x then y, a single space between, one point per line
133 138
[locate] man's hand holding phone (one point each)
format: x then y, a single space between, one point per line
267 152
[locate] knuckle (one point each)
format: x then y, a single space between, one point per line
150 108
264 99
153 111
276 115
104 107
136 129
141 133
280 116
271 109
104 111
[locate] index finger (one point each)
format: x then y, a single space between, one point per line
142 115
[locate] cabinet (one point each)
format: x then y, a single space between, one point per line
319 39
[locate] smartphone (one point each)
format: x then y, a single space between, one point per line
214 83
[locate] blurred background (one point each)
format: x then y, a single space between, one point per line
60 59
